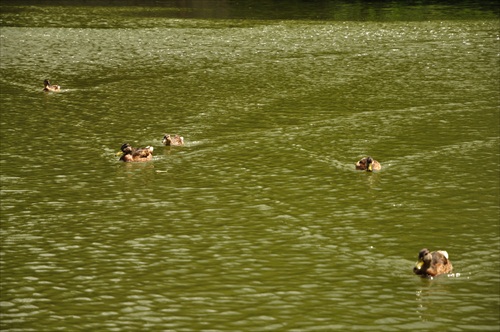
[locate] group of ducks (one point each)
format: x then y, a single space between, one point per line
428 265
129 154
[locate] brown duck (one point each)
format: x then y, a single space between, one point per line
172 141
131 154
368 164
50 87
431 264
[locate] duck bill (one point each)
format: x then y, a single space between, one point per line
370 167
419 264
119 153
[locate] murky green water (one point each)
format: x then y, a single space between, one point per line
260 221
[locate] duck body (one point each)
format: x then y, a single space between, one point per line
172 141
131 154
50 87
368 164
431 264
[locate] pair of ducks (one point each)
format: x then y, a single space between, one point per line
429 264
145 154
129 154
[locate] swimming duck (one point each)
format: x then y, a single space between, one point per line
368 164
132 154
433 263
169 140
50 87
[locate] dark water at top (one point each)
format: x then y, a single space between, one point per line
148 13
260 222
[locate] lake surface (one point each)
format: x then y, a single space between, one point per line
260 222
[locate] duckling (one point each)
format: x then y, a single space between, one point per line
132 154
50 87
368 164
433 263
176 140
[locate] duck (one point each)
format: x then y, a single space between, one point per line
175 141
431 264
132 154
50 87
368 164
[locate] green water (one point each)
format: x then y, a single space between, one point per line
260 222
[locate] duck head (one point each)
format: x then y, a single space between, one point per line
369 164
46 83
167 140
424 259
126 148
